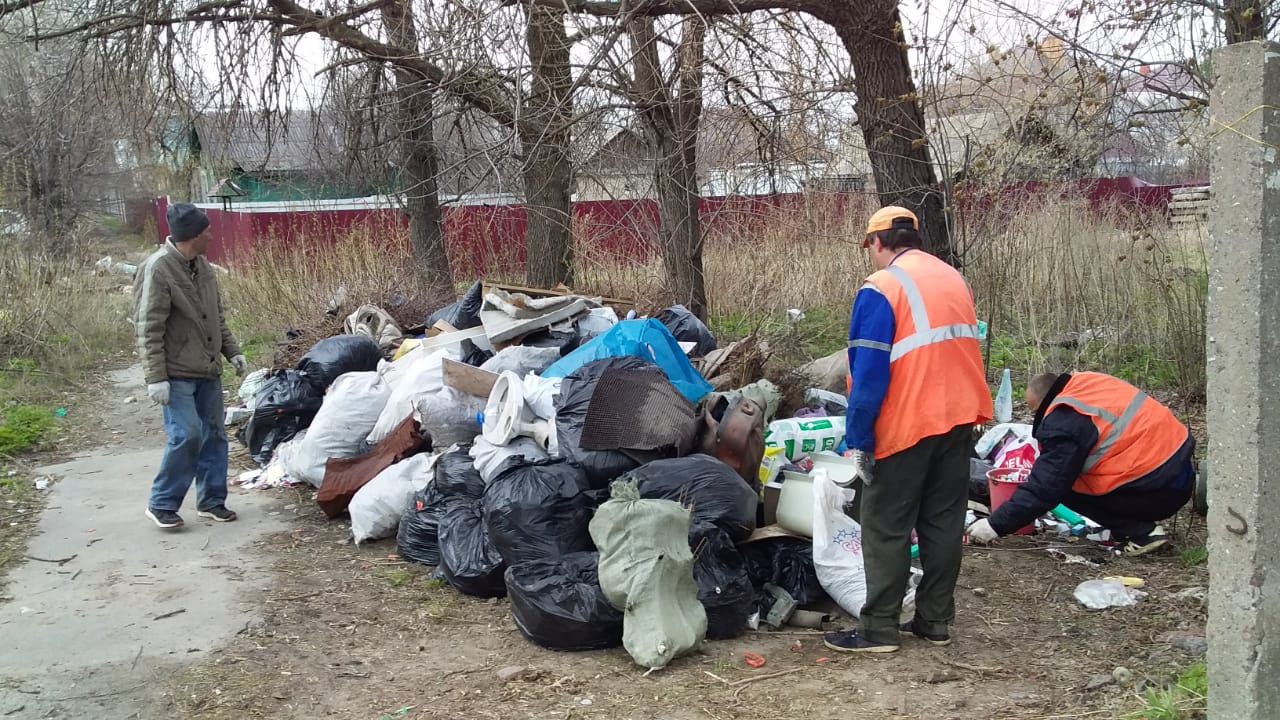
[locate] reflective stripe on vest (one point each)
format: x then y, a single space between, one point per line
1118 423
925 333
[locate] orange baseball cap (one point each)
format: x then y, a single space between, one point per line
885 218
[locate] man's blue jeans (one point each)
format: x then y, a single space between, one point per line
197 447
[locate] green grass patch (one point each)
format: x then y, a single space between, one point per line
24 427
1185 700
1194 556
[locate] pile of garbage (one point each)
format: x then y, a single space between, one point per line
539 447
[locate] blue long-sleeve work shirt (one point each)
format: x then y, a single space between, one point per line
871 331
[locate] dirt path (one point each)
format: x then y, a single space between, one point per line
114 606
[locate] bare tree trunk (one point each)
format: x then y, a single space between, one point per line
419 159
544 140
1245 20
672 122
892 122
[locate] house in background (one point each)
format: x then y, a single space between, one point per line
738 154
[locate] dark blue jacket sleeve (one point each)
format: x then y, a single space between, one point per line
871 330
1065 437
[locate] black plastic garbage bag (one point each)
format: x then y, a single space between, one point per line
538 510
724 589
558 604
688 328
601 466
456 476
284 406
338 355
979 489
468 558
786 562
717 494
418 539
463 314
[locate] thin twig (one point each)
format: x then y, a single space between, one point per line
135 659
292 598
973 668
58 561
770 676
179 611
206 542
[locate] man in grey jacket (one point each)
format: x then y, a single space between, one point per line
182 338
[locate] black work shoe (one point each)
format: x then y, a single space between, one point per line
219 513
166 519
852 641
1136 546
934 639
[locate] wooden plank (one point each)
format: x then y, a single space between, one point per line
543 292
468 379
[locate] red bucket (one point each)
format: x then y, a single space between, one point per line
1002 482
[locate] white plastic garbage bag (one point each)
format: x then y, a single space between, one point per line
377 507
489 457
521 359
422 373
350 409
540 395
1103 594
837 550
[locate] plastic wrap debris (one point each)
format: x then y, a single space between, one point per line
686 327
463 314
448 416
521 360
558 604
647 339
286 405
374 323
333 357
251 385
489 458
377 507
646 569
350 409
236 415
469 560
837 550
1103 594
714 493
724 589
994 439
540 395
834 404
538 510
413 376
598 322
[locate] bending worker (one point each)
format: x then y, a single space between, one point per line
1108 452
918 389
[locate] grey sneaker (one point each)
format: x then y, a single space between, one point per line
166 519
852 641
936 640
219 513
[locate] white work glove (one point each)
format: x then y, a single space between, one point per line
240 364
865 463
159 392
981 532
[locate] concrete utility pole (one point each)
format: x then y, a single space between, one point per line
1244 384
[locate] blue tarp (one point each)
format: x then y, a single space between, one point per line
648 339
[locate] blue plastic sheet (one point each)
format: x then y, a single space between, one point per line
648 339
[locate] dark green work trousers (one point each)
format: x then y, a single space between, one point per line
925 487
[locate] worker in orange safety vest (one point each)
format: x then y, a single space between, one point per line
918 387
1107 451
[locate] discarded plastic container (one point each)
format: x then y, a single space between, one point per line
1003 482
1109 593
1004 398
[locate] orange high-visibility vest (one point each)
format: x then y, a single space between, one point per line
936 377
1136 434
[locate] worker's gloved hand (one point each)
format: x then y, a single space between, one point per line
159 392
981 532
240 364
865 463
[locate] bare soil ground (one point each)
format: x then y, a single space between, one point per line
353 632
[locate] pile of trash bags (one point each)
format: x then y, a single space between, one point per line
543 450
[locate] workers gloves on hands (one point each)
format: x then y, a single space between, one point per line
981 532
240 364
159 392
864 464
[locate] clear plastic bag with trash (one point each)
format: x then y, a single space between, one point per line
1103 594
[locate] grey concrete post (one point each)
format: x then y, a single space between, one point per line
1244 385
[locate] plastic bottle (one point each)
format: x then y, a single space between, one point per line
1004 398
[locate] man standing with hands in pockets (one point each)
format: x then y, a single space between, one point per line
182 338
